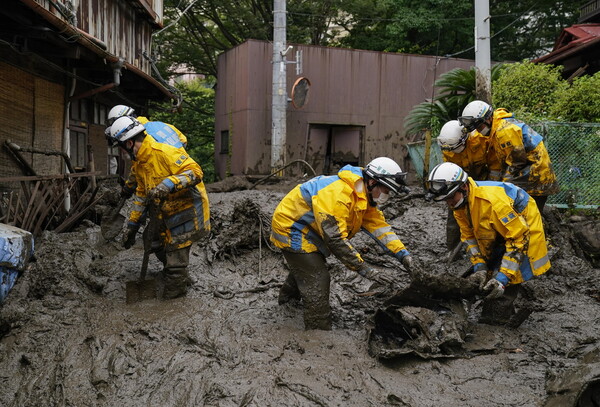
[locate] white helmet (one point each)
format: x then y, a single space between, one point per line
453 137
444 180
474 114
387 173
125 128
119 111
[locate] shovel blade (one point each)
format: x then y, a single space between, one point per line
137 291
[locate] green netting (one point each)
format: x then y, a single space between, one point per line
416 151
574 149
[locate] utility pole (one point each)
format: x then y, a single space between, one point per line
278 129
483 80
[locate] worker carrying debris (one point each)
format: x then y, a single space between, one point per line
169 135
319 217
521 150
502 227
475 154
166 174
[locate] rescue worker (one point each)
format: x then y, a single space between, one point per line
473 153
168 176
521 151
502 227
161 132
319 217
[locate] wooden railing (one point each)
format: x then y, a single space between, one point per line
589 9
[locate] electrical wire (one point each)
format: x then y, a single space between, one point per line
392 20
493 36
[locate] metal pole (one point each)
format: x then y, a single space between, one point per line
483 81
278 129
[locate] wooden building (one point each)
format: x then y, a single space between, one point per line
577 48
63 64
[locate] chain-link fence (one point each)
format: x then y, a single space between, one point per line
574 149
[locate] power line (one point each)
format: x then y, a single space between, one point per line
493 36
392 20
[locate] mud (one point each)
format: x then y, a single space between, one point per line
69 339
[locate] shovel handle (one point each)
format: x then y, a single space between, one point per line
153 210
144 265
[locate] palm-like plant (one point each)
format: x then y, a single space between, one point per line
457 89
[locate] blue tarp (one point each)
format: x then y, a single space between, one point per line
16 248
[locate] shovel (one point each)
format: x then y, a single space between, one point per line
143 289
113 224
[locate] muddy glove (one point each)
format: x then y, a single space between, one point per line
479 277
129 237
407 262
374 275
160 192
496 289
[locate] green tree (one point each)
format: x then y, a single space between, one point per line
196 121
528 28
519 29
434 27
196 32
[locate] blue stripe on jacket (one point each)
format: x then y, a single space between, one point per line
308 190
531 138
163 133
518 195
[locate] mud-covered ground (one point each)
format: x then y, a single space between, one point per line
67 337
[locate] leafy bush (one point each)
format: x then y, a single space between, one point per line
579 102
528 89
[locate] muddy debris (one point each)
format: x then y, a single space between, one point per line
68 338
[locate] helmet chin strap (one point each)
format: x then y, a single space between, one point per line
370 192
463 199
129 151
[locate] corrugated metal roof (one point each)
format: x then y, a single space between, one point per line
574 39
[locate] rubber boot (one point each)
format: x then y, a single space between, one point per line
310 272
288 291
177 282
176 276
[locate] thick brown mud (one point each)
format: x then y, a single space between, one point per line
67 337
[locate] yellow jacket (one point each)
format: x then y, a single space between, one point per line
478 158
154 129
523 155
501 216
185 212
324 213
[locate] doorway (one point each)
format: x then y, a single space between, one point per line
330 146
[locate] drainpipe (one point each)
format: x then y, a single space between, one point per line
117 67
67 136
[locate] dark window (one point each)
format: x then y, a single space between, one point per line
224 142
100 113
78 149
